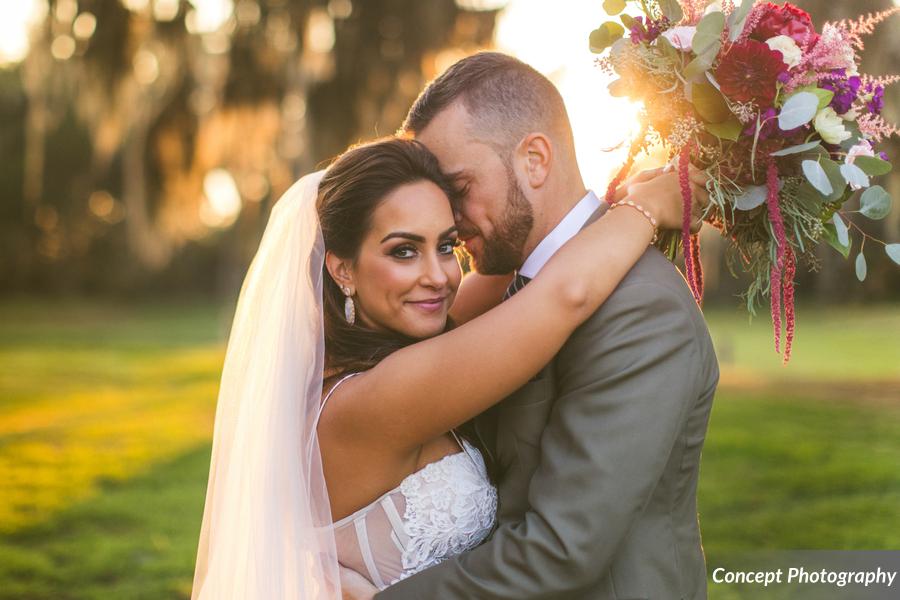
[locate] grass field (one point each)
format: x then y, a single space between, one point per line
106 416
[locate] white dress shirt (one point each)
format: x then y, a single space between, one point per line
571 224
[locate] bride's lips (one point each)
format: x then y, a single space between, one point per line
430 305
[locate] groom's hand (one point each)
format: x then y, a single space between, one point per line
355 587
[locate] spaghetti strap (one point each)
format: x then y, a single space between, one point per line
464 447
328 395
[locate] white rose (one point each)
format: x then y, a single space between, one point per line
830 126
681 37
864 148
790 51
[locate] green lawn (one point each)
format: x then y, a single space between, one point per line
106 415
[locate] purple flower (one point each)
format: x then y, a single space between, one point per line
883 156
768 125
846 90
647 31
876 104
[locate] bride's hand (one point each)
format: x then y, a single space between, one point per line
355 587
660 193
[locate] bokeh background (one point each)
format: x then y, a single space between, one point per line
142 146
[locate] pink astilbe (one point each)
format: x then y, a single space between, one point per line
790 268
753 19
693 10
832 51
875 127
690 245
881 80
864 25
780 247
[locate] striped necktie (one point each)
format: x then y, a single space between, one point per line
518 282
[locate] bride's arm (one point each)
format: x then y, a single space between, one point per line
478 294
425 389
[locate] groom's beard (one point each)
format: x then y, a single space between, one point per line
502 252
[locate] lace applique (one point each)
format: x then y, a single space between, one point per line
450 508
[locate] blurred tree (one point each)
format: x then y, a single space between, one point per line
146 130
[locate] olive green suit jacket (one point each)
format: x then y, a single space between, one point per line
599 458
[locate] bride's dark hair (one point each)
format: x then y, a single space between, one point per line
350 191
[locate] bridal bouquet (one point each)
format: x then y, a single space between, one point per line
777 114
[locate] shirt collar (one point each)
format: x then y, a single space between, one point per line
571 224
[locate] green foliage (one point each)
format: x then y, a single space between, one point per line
605 36
710 103
893 251
817 177
799 109
872 165
875 203
860 266
672 10
728 130
613 7
709 32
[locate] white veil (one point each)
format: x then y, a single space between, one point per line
264 534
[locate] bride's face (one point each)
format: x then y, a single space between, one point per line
406 274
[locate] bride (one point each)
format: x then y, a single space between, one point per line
354 357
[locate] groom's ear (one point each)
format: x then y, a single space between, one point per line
339 269
536 154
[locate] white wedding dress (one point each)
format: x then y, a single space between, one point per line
440 511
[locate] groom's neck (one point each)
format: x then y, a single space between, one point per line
550 208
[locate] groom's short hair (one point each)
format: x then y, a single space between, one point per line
506 98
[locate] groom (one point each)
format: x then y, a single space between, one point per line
599 454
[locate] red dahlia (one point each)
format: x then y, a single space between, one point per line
749 71
785 20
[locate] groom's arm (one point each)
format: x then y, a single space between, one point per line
626 377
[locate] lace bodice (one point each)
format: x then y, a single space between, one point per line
440 511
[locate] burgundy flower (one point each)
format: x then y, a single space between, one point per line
786 20
749 71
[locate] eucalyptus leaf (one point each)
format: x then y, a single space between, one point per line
627 20
712 79
825 96
861 266
605 36
872 165
752 196
798 110
702 62
875 203
709 102
709 32
833 170
840 229
893 251
832 239
672 10
855 176
613 7
618 88
728 130
817 176
796 149
738 18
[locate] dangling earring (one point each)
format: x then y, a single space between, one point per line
349 307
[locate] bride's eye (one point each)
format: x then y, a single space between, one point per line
403 252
